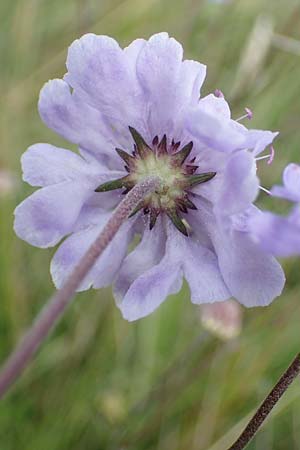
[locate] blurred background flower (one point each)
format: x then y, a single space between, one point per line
224 319
162 383
219 1
8 182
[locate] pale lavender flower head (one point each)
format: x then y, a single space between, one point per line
134 113
280 235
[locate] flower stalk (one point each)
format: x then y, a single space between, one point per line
57 304
268 404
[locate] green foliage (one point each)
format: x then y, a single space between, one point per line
161 383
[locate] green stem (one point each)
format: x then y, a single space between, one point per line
57 304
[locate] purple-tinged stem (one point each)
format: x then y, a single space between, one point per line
268 404
57 304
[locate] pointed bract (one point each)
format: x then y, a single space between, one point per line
176 220
154 213
136 209
175 145
194 180
182 207
162 146
189 204
181 156
115 184
190 170
128 159
155 140
142 147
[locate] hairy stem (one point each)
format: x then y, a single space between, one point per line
268 404
57 304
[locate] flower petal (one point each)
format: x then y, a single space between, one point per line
45 217
152 286
279 236
107 266
210 122
253 277
75 120
147 254
102 75
150 290
200 268
192 77
133 50
217 106
291 181
235 185
159 70
214 130
240 184
258 140
44 164
96 205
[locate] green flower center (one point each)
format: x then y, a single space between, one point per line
171 178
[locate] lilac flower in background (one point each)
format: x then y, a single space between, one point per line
280 235
135 113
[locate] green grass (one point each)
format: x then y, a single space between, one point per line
161 383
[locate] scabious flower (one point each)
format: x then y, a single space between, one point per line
135 113
280 235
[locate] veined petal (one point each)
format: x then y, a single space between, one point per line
258 140
240 184
76 121
147 254
107 266
291 180
150 290
143 287
45 217
276 235
159 70
253 277
210 122
200 268
133 50
103 76
45 164
213 130
95 206
235 185
192 77
217 106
